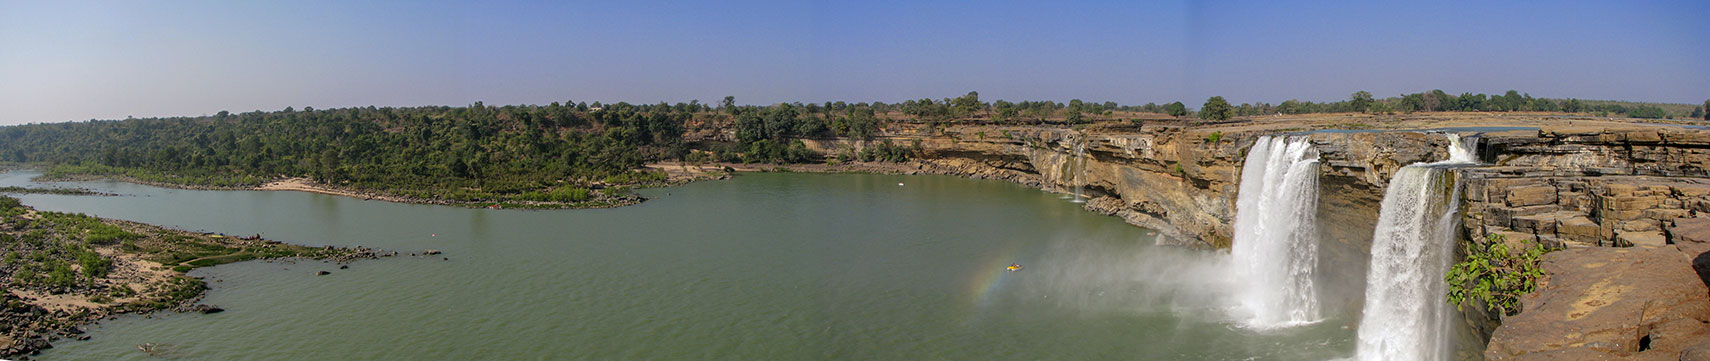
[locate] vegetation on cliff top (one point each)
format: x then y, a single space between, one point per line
1496 276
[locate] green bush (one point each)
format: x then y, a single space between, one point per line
94 266
1496 275
60 274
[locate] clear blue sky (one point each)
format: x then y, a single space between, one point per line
63 61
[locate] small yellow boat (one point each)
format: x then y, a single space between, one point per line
1014 267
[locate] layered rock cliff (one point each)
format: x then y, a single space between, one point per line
1598 188
1627 203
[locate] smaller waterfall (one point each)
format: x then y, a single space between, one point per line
1276 239
1406 316
1462 152
1081 172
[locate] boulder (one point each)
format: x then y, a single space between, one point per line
1607 303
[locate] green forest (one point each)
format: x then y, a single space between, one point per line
456 153
572 152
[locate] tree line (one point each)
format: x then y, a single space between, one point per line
429 152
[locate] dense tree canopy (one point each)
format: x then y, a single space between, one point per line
1360 101
1176 109
1216 109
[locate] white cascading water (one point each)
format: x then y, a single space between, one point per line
1406 316
1081 175
1460 151
1276 239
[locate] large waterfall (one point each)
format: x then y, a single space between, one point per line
1276 243
1406 316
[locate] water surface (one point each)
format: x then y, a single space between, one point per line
760 267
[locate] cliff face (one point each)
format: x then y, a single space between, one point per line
1628 204
1175 182
1590 187
1180 182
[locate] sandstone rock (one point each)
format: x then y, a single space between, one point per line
1691 190
1642 239
1570 131
1640 225
1604 303
1699 352
1580 229
1515 239
1699 205
1619 190
1643 137
1665 214
1634 203
1537 223
1695 230
1531 195
1692 237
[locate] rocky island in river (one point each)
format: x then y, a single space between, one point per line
64 271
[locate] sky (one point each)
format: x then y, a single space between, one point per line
73 60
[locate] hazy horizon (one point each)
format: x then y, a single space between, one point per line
75 61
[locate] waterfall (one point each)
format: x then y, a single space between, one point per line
1459 152
1276 241
1081 163
1406 316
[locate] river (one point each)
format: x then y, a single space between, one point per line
767 266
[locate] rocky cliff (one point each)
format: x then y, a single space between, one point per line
1627 204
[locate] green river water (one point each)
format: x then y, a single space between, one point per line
759 267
